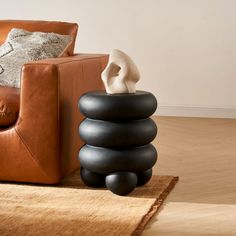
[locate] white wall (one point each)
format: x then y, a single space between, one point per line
185 49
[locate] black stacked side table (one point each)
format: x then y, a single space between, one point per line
117 132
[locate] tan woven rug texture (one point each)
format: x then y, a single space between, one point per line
71 208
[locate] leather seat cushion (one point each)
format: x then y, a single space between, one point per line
9 105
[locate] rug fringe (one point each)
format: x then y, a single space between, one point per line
154 208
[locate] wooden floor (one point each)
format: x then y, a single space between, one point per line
202 152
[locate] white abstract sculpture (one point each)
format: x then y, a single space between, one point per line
121 73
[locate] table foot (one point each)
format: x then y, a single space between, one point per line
121 183
92 179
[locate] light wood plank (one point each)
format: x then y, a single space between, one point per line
202 152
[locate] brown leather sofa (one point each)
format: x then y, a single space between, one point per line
39 142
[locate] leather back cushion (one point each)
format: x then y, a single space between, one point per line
40 26
9 105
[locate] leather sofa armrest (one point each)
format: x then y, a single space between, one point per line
49 93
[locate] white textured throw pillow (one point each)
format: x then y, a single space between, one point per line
22 46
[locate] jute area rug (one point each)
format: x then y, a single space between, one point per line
73 209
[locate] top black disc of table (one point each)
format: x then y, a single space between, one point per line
102 106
